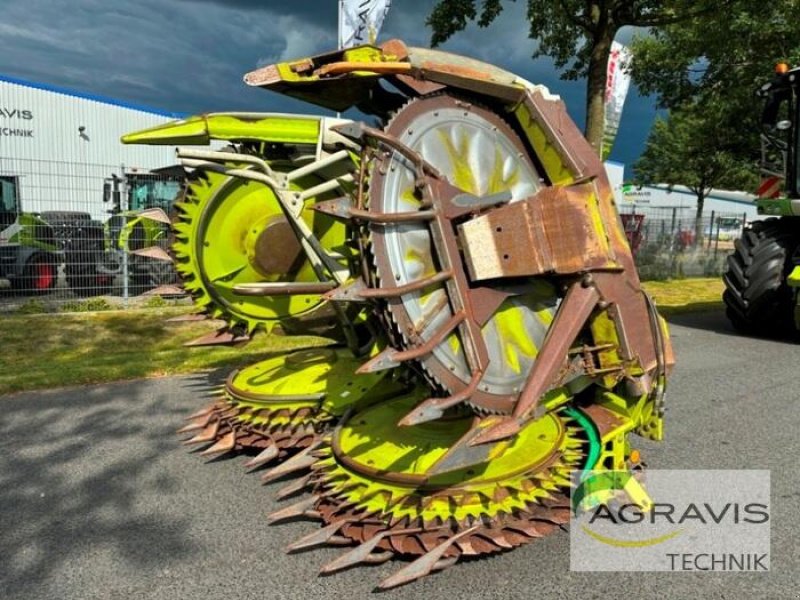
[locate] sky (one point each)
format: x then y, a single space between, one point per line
190 55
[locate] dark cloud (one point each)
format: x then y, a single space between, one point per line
190 55
319 12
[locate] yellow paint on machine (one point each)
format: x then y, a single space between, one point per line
414 257
510 323
604 331
454 342
408 196
544 314
497 181
597 222
554 167
462 173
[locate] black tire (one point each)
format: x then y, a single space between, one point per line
757 298
82 255
87 282
39 275
150 273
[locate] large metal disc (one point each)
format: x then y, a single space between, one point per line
481 154
232 232
373 481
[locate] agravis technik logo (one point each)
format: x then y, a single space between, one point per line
673 521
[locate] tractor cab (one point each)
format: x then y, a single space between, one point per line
762 281
152 192
144 190
779 136
9 201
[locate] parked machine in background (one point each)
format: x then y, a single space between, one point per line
29 254
133 240
763 275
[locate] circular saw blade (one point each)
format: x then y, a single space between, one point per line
374 480
478 152
232 231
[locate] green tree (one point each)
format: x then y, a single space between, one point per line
694 149
706 72
576 34
725 58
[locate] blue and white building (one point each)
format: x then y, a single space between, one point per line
58 145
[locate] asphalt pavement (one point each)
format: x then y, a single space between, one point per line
99 500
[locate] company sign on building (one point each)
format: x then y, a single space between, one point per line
10 119
58 146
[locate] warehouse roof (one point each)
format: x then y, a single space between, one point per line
89 96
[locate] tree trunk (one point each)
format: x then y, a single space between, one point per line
698 220
596 88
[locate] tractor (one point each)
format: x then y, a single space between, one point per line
763 274
133 240
29 253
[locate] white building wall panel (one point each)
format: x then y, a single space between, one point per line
62 146
684 201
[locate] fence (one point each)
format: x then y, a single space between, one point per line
671 242
71 231
75 230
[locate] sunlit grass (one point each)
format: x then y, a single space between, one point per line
42 351
686 295
45 350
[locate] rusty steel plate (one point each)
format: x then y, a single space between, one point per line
478 152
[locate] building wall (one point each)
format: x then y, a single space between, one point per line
62 144
659 197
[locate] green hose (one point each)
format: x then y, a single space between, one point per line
592 436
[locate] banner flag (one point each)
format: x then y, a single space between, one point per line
617 83
360 21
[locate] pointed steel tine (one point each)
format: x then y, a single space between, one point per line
464 453
301 460
406 288
359 554
338 208
224 445
207 435
299 509
296 463
316 538
506 428
380 362
265 456
294 487
433 408
392 357
423 413
193 426
347 292
378 558
278 288
155 252
201 413
198 423
155 214
425 564
443 563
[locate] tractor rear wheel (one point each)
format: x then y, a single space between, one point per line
82 254
39 276
757 297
